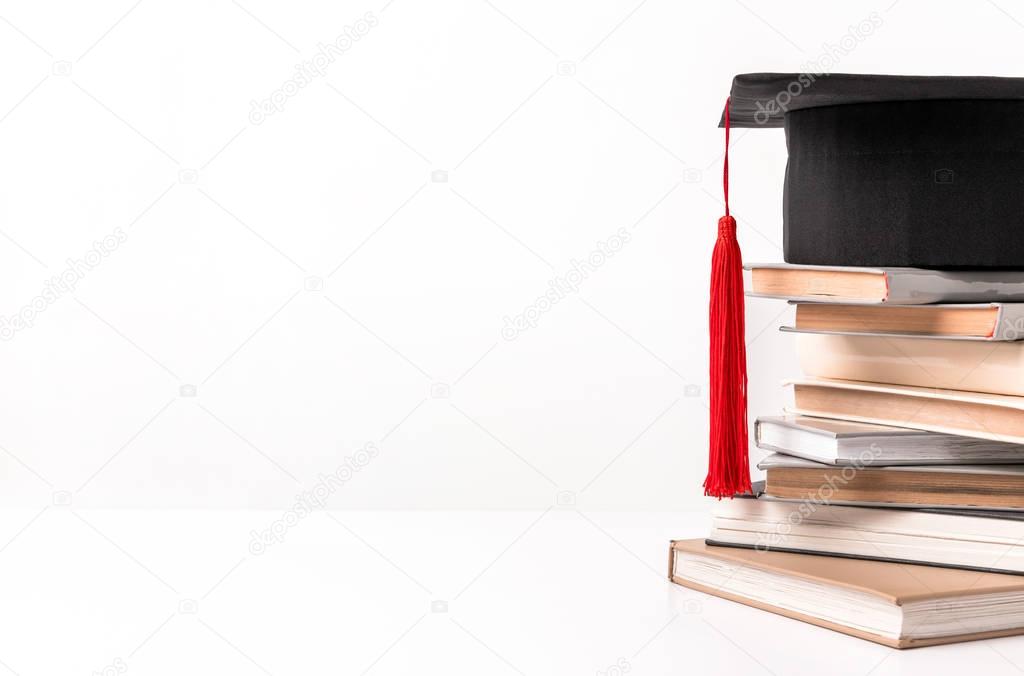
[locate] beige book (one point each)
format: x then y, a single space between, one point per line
994 367
897 605
971 414
990 321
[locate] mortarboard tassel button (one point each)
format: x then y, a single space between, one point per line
728 463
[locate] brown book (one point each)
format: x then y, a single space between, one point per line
897 605
971 414
965 486
894 286
964 321
790 282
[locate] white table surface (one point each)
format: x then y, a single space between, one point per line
558 592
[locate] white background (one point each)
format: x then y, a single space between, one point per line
340 273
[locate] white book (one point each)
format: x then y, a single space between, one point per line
848 443
781 460
959 538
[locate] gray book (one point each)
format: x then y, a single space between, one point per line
848 443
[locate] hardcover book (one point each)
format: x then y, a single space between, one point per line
897 605
847 443
897 286
972 366
963 486
971 414
970 539
964 321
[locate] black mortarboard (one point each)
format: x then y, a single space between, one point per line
892 170
883 171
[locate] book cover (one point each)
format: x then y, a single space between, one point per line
893 585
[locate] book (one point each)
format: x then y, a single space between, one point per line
901 286
986 321
897 605
975 540
973 366
847 443
964 486
970 414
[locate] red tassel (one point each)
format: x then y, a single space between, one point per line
728 463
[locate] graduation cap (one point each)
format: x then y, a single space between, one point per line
883 171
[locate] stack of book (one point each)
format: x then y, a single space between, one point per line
893 502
